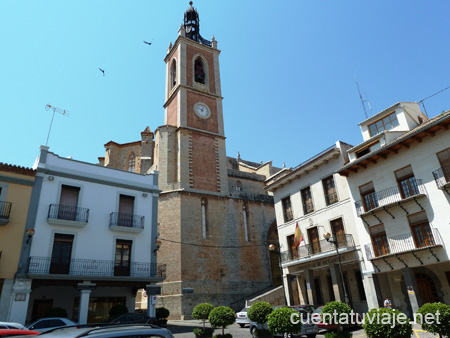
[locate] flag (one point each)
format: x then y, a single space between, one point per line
298 236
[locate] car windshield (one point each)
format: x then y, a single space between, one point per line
245 309
318 310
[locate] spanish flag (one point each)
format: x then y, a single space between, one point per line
298 236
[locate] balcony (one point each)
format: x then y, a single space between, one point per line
126 222
405 243
67 215
5 211
331 198
442 177
307 251
308 208
92 268
389 197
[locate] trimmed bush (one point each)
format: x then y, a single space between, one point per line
117 310
162 313
258 312
208 332
339 308
279 322
56 312
343 334
435 318
382 323
201 312
228 335
222 316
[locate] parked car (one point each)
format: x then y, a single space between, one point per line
17 332
316 316
133 318
11 325
45 324
307 308
309 329
108 331
241 317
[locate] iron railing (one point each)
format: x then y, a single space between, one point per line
442 176
92 267
406 243
307 250
126 220
331 198
389 196
308 207
5 210
68 213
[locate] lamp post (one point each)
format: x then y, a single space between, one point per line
276 248
327 236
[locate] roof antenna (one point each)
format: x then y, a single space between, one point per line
57 110
363 102
421 101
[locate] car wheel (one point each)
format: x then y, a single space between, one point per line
252 332
241 325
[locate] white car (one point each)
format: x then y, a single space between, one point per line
11 325
241 317
45 324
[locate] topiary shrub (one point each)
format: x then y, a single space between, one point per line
204 333
56 312
258 312
201 312
435 318
343 334
222 316
279 322
382 323
162 313
117 310
228 335
342 312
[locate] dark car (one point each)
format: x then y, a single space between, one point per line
133 318
307 308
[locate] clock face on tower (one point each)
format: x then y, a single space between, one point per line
202 110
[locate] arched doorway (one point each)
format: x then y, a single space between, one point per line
426 287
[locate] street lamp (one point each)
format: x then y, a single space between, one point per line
327 236
276 248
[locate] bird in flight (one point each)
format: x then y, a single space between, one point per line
148 43
102 71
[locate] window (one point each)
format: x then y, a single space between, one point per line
421 230
173 74
68 202
126 209
123 258
379 240
308 205
239 186
369 196
204 224
199 72
287 210
329 190
368 149
314 241
293 250
386 123
407 182
444 160
131 162
61 254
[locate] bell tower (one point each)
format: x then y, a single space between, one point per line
192 141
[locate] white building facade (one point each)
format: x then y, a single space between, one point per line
399 181
313 196
94 231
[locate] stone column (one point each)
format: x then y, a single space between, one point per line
372 290
412 289
86 289
310 288
337 283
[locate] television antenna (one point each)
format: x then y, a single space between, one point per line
57 110
363 102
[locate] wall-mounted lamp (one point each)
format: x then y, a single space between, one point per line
327 236
51 178
144 194
157 245
29 233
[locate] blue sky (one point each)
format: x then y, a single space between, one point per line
287 70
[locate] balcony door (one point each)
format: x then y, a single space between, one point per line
122 260
421 230
444 160
337 227
61 254
126 209
314 242
407 182
68 202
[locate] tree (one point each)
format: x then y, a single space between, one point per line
222 316
202 311
258 312
435 318
279 322
382 323
340 309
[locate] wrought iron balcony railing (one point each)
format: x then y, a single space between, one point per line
388 197
92 267
5 211
68 213
126 220
308 250
308 207
405 243
331 198
442 176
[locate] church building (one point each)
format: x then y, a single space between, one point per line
215 218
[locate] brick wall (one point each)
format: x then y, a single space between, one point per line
204 162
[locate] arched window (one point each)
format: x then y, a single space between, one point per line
131 162
239 186
173 74
199 71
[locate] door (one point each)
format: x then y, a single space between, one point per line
427 289
61 254
318 290
337 227
68 202
422 234
40 308
314 242
293 250
123 257
330 288
126 209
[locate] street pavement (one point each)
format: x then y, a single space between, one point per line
184 329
